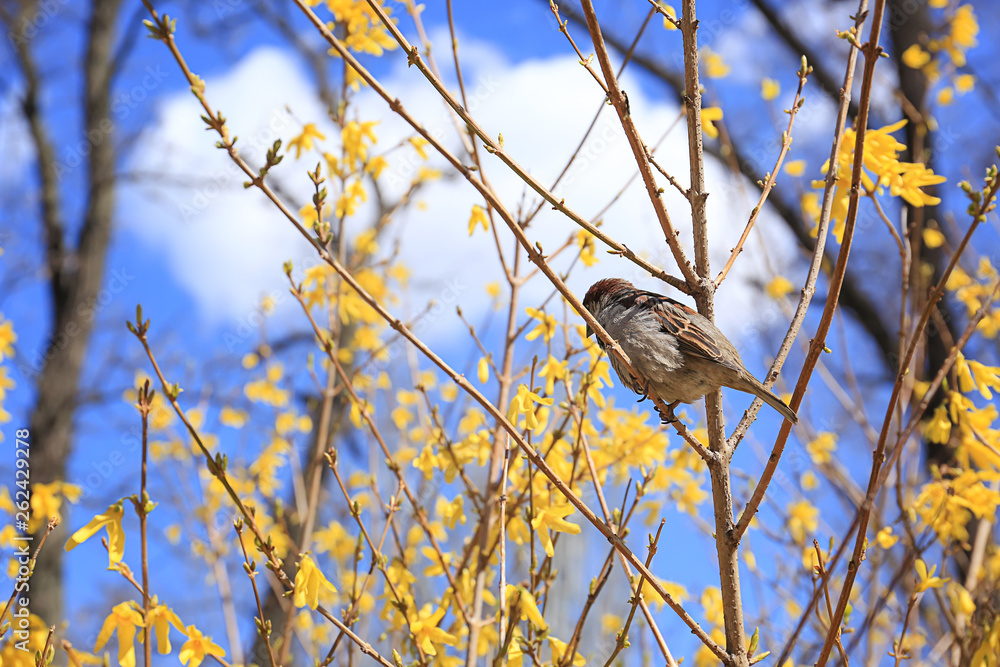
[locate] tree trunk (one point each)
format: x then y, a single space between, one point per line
75 281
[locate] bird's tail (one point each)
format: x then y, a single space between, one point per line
751 385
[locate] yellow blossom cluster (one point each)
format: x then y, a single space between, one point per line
364 31
585 242
972 290
711 602
267 390
942 58
965 419
882 168
46 501
947 504
127 618
620 442
7 340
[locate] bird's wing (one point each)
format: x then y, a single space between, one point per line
681 322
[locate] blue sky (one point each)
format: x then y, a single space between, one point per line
200 279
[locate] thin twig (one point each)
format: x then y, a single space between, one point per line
144 404
636 598
898 653
825 585
585 61
250 567
786 143
502 629
593 123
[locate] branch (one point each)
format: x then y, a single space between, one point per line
620 102
719 471
593 123
696 158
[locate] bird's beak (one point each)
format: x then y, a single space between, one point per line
590 332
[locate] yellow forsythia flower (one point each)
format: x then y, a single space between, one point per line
523 403
526 604
426 632
885 538
708 118
197 647
933 238
779 287
925 578
769 89
558 648
161 617
795 167
938 427
111 520
123 620
552 518
419 144
546 327
477 218
308 581
304 141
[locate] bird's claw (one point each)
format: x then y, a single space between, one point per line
645 393
667 413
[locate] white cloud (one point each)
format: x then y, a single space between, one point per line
15 141
225 245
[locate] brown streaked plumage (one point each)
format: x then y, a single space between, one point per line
680 354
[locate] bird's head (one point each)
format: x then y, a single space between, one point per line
601 294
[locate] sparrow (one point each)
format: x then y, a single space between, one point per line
679 353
